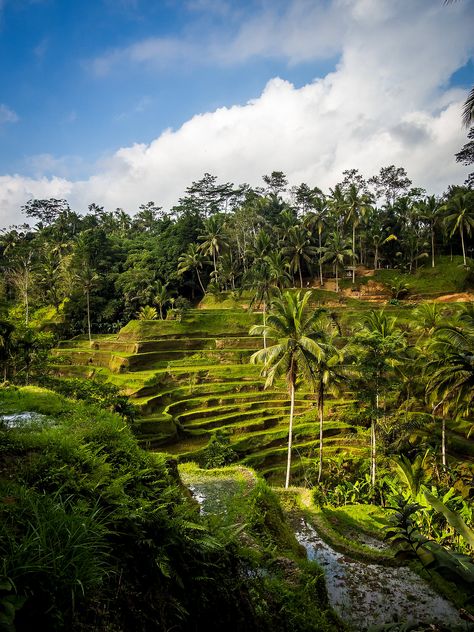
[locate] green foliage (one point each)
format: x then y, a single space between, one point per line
147 312
218 451
403 530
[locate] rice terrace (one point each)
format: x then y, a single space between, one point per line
249 406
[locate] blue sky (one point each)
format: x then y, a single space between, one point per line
89 87
66 108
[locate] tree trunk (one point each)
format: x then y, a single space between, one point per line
301 277
443 442
215 265
432 248
376 257
353 252
264 324
200 281
337 280
373 450
321 412
321 282
161 311
88 316
462 243
290 433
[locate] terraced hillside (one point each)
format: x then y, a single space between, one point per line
192 378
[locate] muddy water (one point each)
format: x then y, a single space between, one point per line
366 595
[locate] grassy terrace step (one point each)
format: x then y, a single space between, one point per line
275 436
197 343
273 456
222 421
214 323
254 405
181 394
226 398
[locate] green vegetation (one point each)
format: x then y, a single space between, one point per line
86 515
307 340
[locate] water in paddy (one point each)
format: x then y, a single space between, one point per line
366 595
18 420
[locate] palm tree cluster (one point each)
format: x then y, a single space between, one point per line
394 374
101 268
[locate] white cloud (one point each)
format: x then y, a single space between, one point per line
7 115
385 103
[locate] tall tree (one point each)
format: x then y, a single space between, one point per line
327 376
213 239
378 346
430 211
450 373
192 259
299 250
336 250
460 209
356 204
87 279
162 296
295 328
315 221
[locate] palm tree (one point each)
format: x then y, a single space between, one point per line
378 347
260 282
460 217
336 250
430 211
468 111
299 249
278 269
327 375
147 313
162 296
427 317
356 204
192 259
450 374
87 278
213 239
315 220
296 350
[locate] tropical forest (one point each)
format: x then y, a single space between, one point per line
252 411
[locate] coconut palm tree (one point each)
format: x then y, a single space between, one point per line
315 220
162 296
296 331
213 239
278 269
460 217
356 203
192 259
327 375
299 249
336 250
259 280
87 279
430 211
378 345
450 374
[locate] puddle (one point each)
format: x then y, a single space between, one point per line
366 595
213 495
21 420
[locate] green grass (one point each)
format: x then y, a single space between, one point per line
446 277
